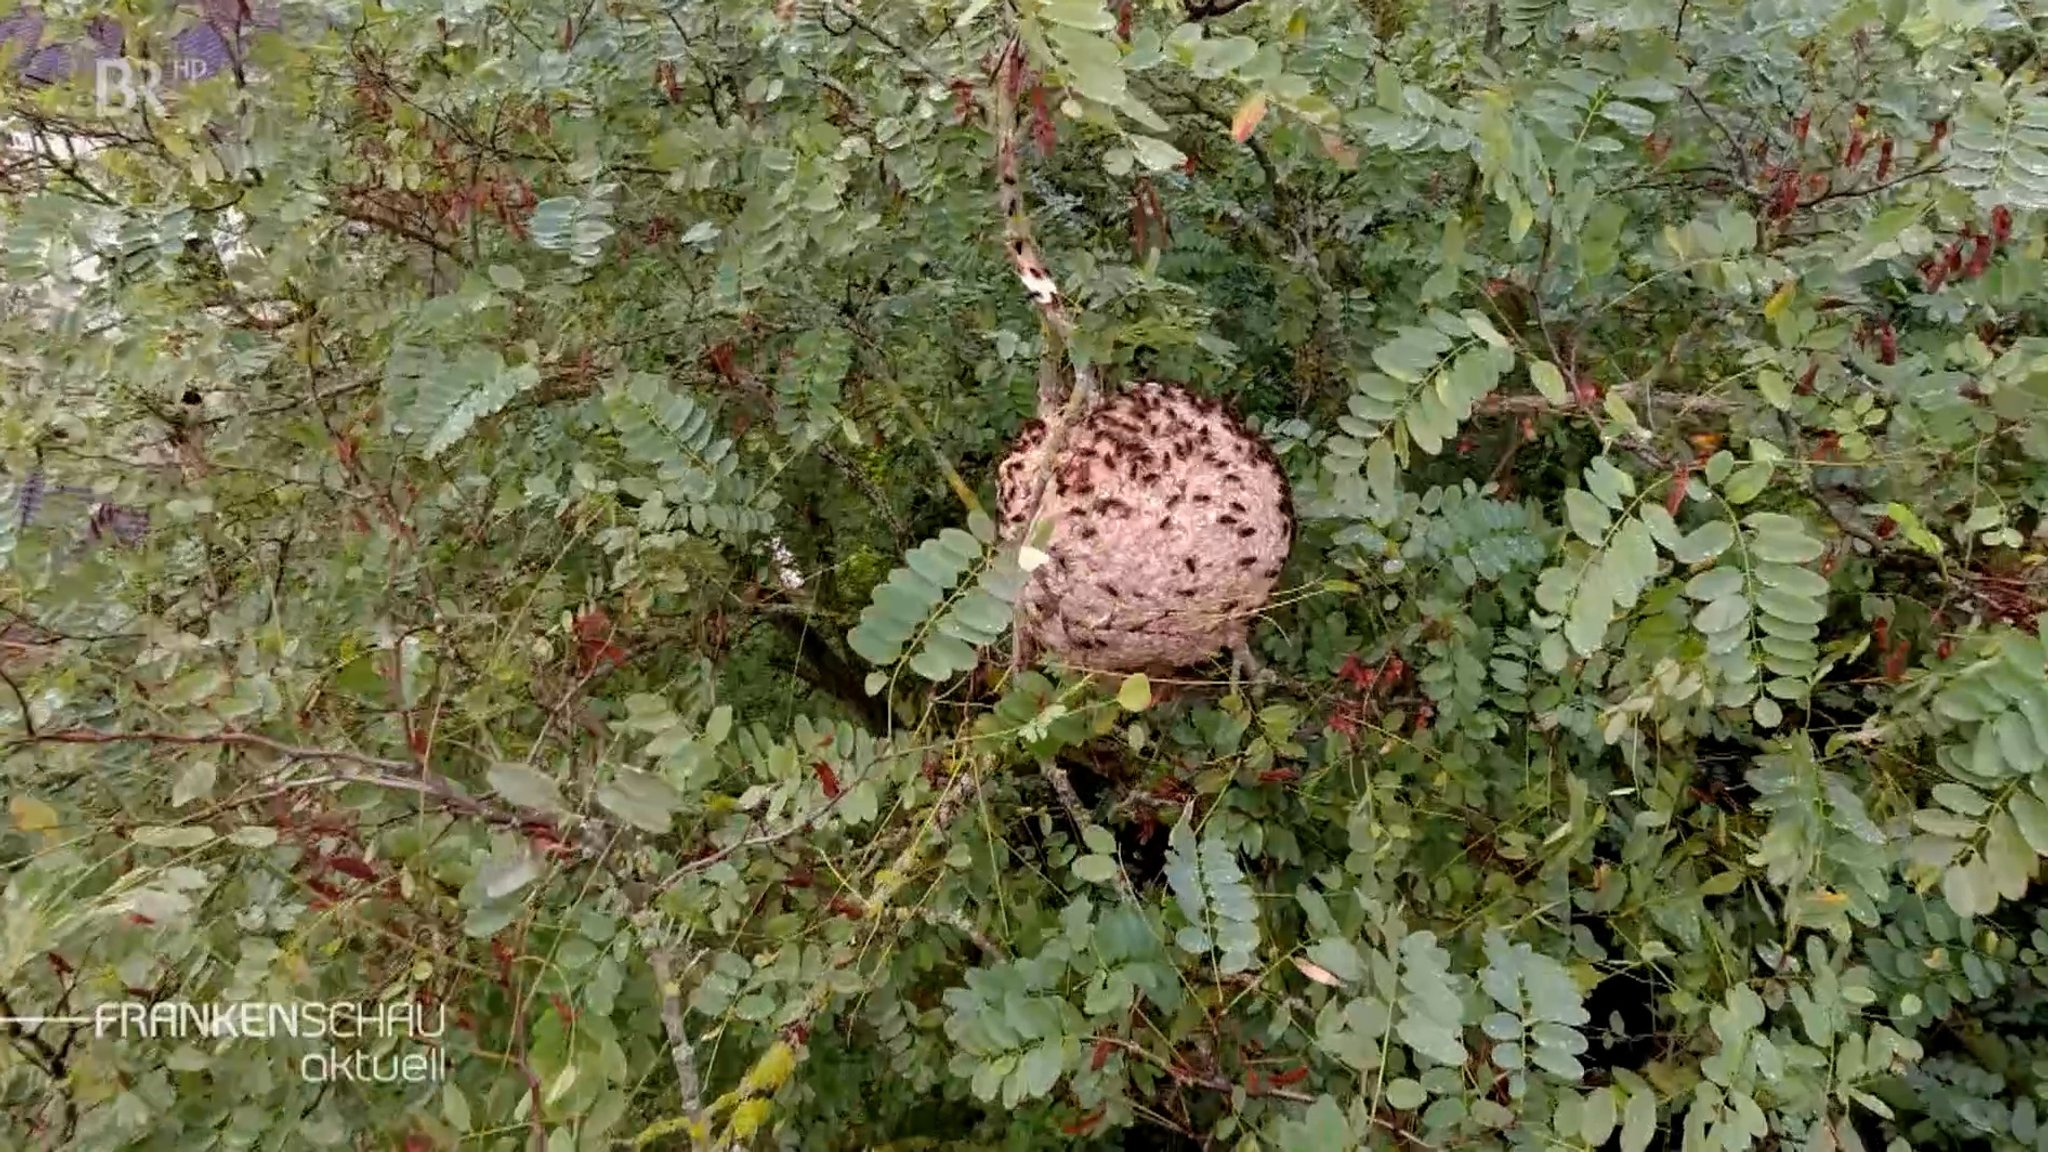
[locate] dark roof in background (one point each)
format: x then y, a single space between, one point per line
217 31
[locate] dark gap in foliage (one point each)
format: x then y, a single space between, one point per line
1720 774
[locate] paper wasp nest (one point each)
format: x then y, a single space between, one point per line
1171 521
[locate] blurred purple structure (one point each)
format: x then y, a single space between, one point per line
216 34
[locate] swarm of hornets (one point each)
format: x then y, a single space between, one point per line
1171 522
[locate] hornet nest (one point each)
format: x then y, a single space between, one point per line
1171 521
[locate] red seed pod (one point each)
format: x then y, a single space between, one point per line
1103 1047
1940 133
1980 259
2001 223
1932 274
1895 662
1952 256
1853 155
1787 196
1884 159
1885 527
1800 124
1805 387
1945 649
827 779
1888 346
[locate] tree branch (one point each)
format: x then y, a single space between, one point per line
680 1049
375 771
1210 9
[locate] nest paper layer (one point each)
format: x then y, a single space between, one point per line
1171 522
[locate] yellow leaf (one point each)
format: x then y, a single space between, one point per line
1779 301
1248 116
31 814
1136 693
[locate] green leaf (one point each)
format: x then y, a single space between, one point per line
1747 484
183 836
1639 1121
1597 1117
1405 1095
1095 64
1548 381
1339 956
1096 869
1157 155
2031 817
1078 14
1723 614
1704 543
526 787
1588 517
640 799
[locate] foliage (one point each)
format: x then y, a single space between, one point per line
475 477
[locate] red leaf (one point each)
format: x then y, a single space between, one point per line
1676 496
354 866
1293 1075
827 779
